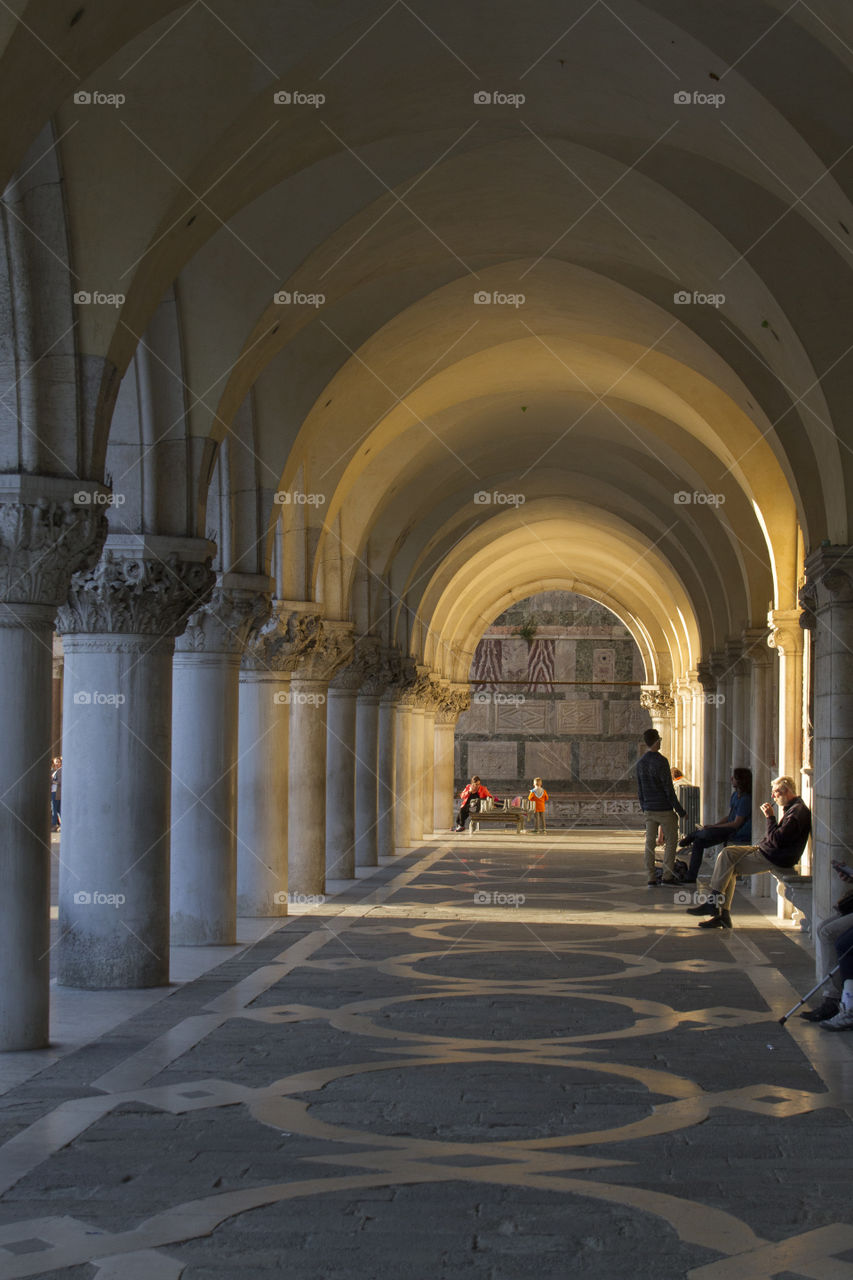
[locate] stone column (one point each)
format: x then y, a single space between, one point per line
119 628
342 760
453 703
331 649
402 776
660 704
759 685
828 601
386 817
430 705
205 699
723 753
367 763
47 532
786 637
413 796
709 741
739 705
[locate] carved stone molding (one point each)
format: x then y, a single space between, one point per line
44 542
829 582
453 703
756 645
223 625
706 678
366 659
140 586
279 642
330 649
786 631
657 700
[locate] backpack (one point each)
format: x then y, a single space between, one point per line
473 803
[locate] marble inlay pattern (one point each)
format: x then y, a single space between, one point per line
490 1062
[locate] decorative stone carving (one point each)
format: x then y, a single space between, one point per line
657 701
42 543
786 630
330 649
706 678
278 643
366 658
225 622
133 590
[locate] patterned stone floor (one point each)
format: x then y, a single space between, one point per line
496 1058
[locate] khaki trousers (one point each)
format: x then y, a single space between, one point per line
667 820
733 861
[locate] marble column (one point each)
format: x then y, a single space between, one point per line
709 742
46 533
738 707
331 649
205 700
413 797
786 637
723 765
757 654
119 628
367 764
453 703
402 775
660 704
428 777
386 817
828 601
342 760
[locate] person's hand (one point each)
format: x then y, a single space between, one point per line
842 872
767 809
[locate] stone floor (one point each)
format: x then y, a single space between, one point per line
497 1057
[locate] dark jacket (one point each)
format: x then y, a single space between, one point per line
785 841
654 784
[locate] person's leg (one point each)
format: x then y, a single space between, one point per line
704 838
843 1020
736 860
669 823
828 933
649 851
463 816
542 818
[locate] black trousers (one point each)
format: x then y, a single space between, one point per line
705 838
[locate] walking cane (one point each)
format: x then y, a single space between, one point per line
815 988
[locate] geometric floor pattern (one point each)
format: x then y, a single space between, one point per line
498 1058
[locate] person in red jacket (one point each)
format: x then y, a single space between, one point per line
473 791
539 796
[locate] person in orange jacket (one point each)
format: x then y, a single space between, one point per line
539 796
474 790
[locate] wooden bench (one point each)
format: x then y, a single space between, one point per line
506 817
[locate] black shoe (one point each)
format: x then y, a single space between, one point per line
824 1011
706 909
720 920
670 880
685 841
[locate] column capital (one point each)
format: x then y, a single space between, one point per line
454 700
756 641
657 699
240 603
786 631
50 529
829 582
735 656
277 643
142 585
366 657
706 677
718 664
329 649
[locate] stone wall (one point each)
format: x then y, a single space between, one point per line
561 700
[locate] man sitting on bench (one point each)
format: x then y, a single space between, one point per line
471 797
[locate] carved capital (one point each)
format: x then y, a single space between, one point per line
786 631
42 543
706 677
657 700
278 643
240 604
330 649
454 700
366 660
140 586
755 645
829 581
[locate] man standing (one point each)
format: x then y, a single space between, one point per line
782 846
660 807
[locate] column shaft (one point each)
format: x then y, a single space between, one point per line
262 790
340 783
367 768
306 819
386 820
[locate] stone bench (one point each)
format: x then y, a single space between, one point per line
506 817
